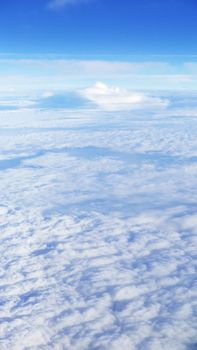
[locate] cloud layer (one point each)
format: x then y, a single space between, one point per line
54 73
98 228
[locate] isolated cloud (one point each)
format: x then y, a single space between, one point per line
54 4
114 98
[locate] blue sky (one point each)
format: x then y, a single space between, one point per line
71 44
98 27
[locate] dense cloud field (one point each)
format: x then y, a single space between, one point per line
98 227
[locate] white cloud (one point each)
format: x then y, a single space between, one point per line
113 98
55 4
18 103
98 229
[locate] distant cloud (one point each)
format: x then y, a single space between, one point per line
59 73
54 4
114 98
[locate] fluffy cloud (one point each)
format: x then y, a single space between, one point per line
98 229
114 98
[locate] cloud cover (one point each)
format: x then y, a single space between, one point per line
98 229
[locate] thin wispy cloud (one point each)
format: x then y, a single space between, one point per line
59 74
55 4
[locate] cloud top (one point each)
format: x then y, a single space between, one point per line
114 98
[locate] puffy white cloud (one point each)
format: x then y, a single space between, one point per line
113 98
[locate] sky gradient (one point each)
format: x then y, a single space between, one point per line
98 27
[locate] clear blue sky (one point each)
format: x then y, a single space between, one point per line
97 27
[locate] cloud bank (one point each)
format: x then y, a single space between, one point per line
98 228
50 72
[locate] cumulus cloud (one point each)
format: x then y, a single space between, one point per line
113 98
